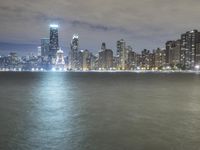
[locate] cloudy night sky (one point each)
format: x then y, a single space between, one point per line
142 23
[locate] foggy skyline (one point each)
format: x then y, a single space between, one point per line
143 24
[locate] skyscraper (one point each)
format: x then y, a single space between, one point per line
60 62
189 44
73 54
80 60
103 46
145 59
53 45
106 59
122 54
45 47
160 58
39 51
173 53
169 47
131 60
197 56
86 60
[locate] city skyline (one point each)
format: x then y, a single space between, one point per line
178 55
32 48
24 22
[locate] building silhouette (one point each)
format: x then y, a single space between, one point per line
53 45
73 54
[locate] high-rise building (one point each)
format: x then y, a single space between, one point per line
106 59
80 60
189 52
160 58
173 53
151 60
93 62
122 54
45 47
103 46
39 53
197 56
86 60
60 61
73 54
131 60
145 59
169 47
53 45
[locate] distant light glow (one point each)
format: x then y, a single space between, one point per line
138 68
54 26
197 67
53 69
75 36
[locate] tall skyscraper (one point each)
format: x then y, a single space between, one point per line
122 54
86 60
93 62
160 58
45 47
106 59
53 45
73 54
145 59
197 56
103 46
131 60
189 44
169 47
80 60
39 51
60 62
173 49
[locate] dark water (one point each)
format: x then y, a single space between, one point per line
99 111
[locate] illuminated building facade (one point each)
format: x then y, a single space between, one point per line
53 45
122 54
189 49
60 61
73 54
106 59
173 49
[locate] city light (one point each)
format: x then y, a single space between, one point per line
75 36
53 69
50 57
54 26
197 67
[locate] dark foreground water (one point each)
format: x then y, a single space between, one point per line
99 111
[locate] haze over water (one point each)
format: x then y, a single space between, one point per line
99 111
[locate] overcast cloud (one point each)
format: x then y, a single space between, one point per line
142 23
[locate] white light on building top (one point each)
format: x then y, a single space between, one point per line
54 26
75 36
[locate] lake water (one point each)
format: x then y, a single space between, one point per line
99 111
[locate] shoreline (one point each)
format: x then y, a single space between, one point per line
113 71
